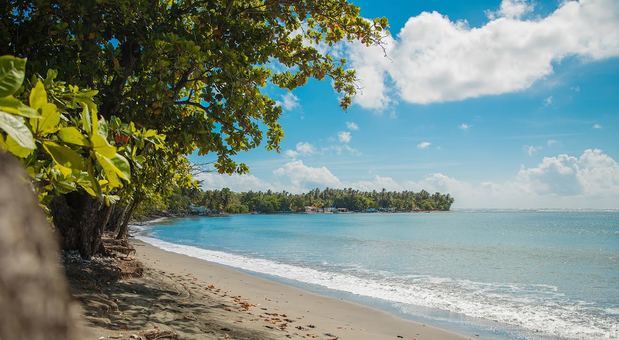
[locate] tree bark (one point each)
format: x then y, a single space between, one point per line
80 220
124 227
34 298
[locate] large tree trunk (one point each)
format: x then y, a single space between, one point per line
34 298
80 220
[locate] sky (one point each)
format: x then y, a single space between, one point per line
502 104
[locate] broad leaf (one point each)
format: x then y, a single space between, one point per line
114 167
64 156
38 96
13 147
12 72
72 135
13 105
101 145
50 118
16 128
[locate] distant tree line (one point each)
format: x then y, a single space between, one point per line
227 201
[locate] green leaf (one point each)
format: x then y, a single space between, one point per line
15 127
13 147
12 72
64 156
50 118
101 145
72 135
13 105
114 168
85 118
38 96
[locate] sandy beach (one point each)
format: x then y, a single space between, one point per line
188 298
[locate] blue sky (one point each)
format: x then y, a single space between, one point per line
504 104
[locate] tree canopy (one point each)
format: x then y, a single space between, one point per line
193 70
151 82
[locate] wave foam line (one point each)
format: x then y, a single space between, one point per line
553 318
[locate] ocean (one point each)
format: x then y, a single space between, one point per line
497 274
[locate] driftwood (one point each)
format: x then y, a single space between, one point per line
34 298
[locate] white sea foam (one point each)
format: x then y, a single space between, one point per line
489 301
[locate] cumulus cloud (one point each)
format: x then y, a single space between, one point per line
344 136
434 59
512 9
288 101
303 177
378 183
352 126
302 148
423 145
464 126
235 182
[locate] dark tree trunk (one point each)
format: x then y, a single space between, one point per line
80 220
116 219
124 227
34 296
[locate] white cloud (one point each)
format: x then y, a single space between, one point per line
464 126
302 148
512 9
378 183
302 177
532 150
423 145
344 136
434 59
288 101
552 142
352 126
305 148
593 173
370 63
597 126
291 153
212 181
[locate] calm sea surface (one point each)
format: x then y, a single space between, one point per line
496 274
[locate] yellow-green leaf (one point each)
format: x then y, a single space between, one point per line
50 118
72 135
15 127
38 96
13 147
101 145
114 167
109 169
13 105
64 156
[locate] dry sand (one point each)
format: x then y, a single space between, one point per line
197 299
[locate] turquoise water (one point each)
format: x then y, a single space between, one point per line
497 274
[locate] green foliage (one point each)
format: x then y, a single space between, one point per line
197 71
63 143
271 202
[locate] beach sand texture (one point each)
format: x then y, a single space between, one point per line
197 299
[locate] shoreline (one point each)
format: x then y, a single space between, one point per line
308 315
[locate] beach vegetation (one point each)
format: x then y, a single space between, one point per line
182 77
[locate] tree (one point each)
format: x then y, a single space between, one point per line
192 70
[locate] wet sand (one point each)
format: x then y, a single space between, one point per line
196 299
